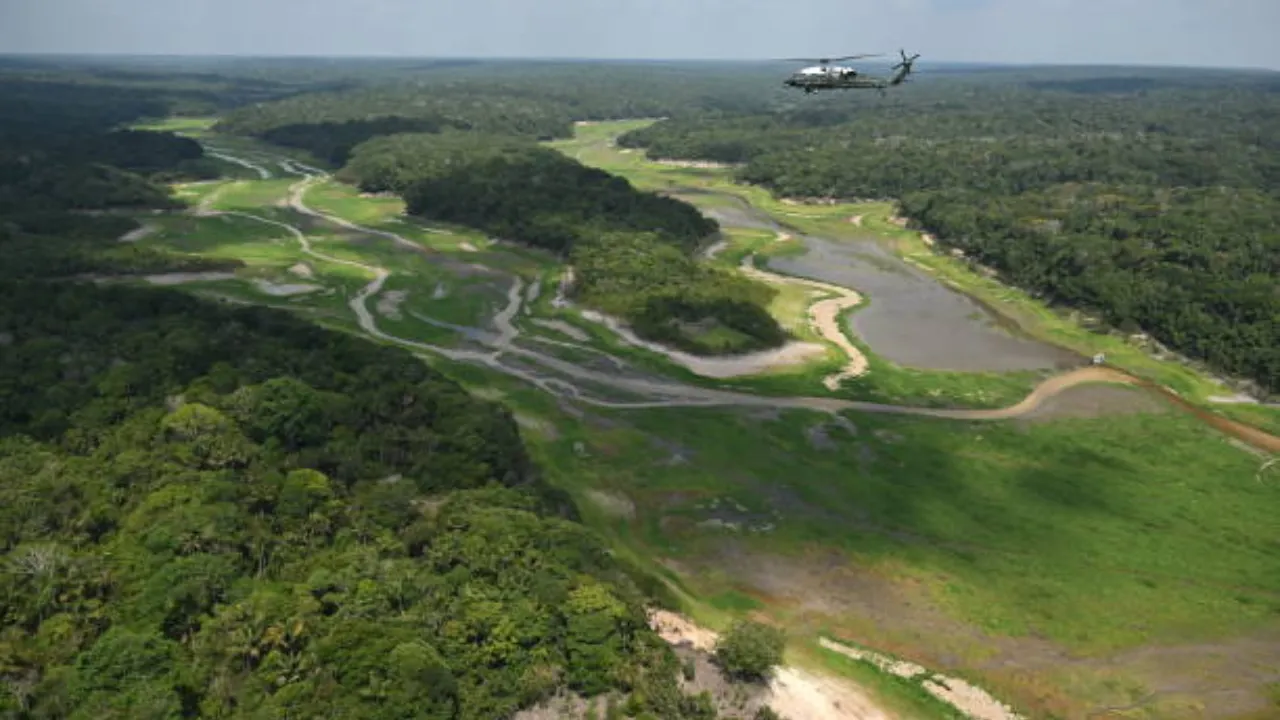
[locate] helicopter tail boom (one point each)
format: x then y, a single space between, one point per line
903 69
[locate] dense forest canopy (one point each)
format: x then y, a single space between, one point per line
94 83
517 189
331 124
535 100
232 513
1156 206
671 298
66 167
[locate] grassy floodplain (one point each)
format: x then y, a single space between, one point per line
1062 561
593 145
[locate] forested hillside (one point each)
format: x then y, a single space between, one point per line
1156 208
64 163
517 189
216 512
535 100
232 512
633 250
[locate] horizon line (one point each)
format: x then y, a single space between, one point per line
591 59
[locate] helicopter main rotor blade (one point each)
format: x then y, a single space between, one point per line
857 57
827 60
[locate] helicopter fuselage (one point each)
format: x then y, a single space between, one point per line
832 77
838 77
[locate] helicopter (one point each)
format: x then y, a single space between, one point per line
825 76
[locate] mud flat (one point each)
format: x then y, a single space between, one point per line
720 367
915 321
740 218
182 278
285 289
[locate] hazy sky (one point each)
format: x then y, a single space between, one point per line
1237 33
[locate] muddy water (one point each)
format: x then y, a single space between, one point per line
740 218
912 319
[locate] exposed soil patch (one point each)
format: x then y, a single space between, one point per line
793 693
302 270
680 631
285 289
182 278
1237 399
966 697
389 303
698 164
1087 401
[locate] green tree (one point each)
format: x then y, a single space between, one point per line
750 650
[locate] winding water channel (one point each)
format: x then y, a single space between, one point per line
566 379
912 319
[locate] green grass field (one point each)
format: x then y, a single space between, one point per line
1079 537
253 195
186 125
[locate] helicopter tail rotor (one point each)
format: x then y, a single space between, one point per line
907 62
902 69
